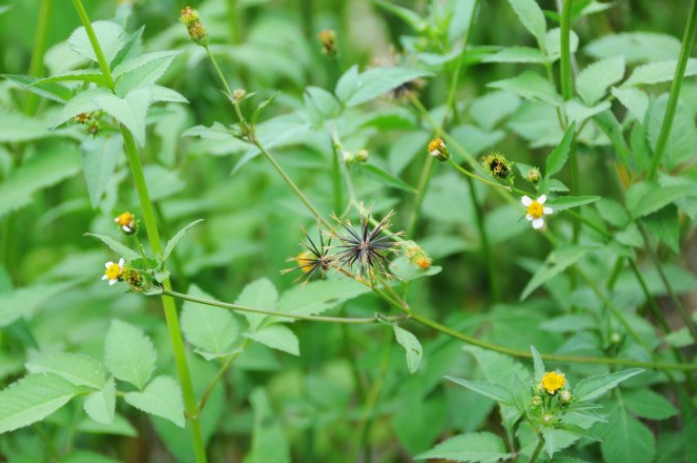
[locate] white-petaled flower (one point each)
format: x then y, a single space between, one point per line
113 271
126 222
535 211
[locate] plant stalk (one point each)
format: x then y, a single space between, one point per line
538 450
36 66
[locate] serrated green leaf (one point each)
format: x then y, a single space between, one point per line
211 329
478 447
54 92
129 354
79 369
130 110
657 197
142 71
682 140
374 82
32 399
665 225
101 405
645 403
171 244
318 296
594 80
635 47
82 75
557 160
626 439
593 387
162 397
558 261
530 86
110 36
260 294
612 212
121 249
99 158
278 337
635 100
661 71
539 364
491 390
412 347
83 102
567 202
347 84
516 55
532 17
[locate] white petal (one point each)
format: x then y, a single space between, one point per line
549 210
111 282
126 229
542 199
526 200
116 220
529 217
538 223
104 277
121 262
108 264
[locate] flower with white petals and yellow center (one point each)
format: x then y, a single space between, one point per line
113 271
535 211
127 222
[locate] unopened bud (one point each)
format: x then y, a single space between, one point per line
438 150
348 156
565 396
547 418
498 166
328 39
238 95
615 338
362 156
534 175
193 25
536 401
417 255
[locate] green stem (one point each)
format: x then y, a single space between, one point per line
336 178
538 450
148 212
221 373
424 180
36 67
313 318
486 247
666 126
234 21
38 430
469 174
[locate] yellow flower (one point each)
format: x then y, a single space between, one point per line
553 381
438 150
127 222
305 262
535 211
113 271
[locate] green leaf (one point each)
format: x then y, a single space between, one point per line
491 390
635 47
262 106
278 337
557 160
162 397
32 399
557 261
83 102
79 369
130 111
612 212
374 82
657 197
627 440
211 329
41 171
347 84
99 158
539 364
412 347
121 249
665 225
320 104
530 86
54 92
101 405
594 386
682 140
594 80
387 178
171 244
120 427
142 71
259 294
82 75
87 457
269 442
648 404
22 302
552 45
567 202
129 354
532 17
477 447
662 71
578 112
414 20
635 100
110 36
319 296
516 55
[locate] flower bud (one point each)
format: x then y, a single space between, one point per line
238 95
127 223
193 25
94 128
438 150
534 175
348 156
417 255
615 338
83 118
547 418
328 39
498 166
362 155
565 396
536 401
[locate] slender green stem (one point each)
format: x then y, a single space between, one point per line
486 247
38 430
336 178
469 174
538 450
36 67
234 21
566 74
666 126
424 180
170 309
313 318
221 373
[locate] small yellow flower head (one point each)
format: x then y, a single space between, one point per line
113 271
565 396
328 39
238 95
193 25
304 262
83 118
362 155
498 166
534 175
535 211
438 150
127 223
417 255
553 381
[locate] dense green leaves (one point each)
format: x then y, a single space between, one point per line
354 89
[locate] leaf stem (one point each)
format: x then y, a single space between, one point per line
38 430
538 450
666 126
221 373
148 212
